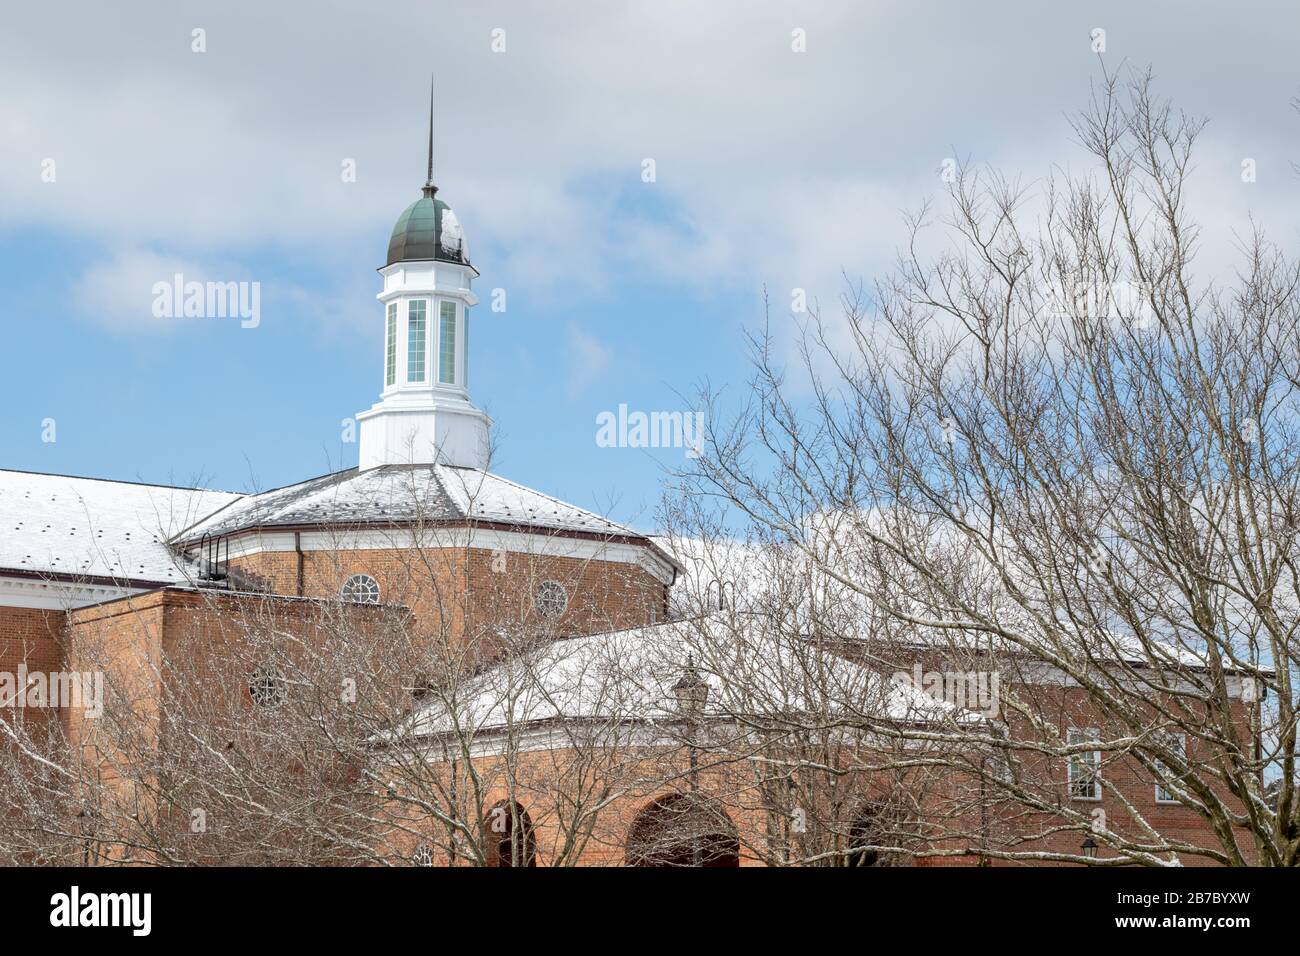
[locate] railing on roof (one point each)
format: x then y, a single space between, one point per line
720 595
211 566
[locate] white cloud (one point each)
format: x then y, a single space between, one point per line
118 293
121 293
773 166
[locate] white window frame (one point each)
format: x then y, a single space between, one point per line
1179 743
390 345
354 582
539 602
1077 735
423 357
455 341
267 687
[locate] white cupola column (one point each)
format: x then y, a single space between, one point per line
425 415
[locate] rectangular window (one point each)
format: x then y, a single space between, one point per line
1178 744
447 344
1085 768
416 313
390 347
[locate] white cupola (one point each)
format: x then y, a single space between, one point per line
425 415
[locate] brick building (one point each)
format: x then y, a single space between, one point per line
530 601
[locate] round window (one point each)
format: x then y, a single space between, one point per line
551 599
361 588
423 856
268 688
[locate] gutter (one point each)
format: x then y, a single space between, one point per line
65 578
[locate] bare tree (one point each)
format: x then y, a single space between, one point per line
243 723
1056 455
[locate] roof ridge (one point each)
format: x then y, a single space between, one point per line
118 481
436 471
551 498
295 484
251 498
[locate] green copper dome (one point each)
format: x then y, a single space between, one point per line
428 229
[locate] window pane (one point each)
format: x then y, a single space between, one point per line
1178 744
447 344
1084 768
415 336
390 360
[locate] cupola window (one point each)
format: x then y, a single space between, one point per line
447 344
417 311
390 347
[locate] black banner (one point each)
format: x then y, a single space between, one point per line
138 905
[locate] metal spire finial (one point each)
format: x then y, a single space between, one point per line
428 183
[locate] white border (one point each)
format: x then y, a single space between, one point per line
405 539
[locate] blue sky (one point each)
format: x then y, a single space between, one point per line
213 403
774 168
236 408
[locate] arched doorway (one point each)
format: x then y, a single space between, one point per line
873 825
682 830
508 838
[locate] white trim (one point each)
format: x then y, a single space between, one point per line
462 347
552 586
1171 799
656 731
410 301
1083 733
403 322
1037 673
494 741
58 595
428 277
390 340
456 379
369 582
538 544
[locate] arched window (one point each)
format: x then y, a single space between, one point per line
361 589
875 824
508 838
682 830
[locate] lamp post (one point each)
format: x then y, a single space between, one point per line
692 693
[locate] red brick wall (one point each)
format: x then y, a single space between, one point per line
197 653
1068 707
31 637
549 784
458 591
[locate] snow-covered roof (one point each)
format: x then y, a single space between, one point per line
90 527
629 675
404 493
780 580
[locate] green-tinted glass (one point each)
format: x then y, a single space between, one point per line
447 344
390 354
415 339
